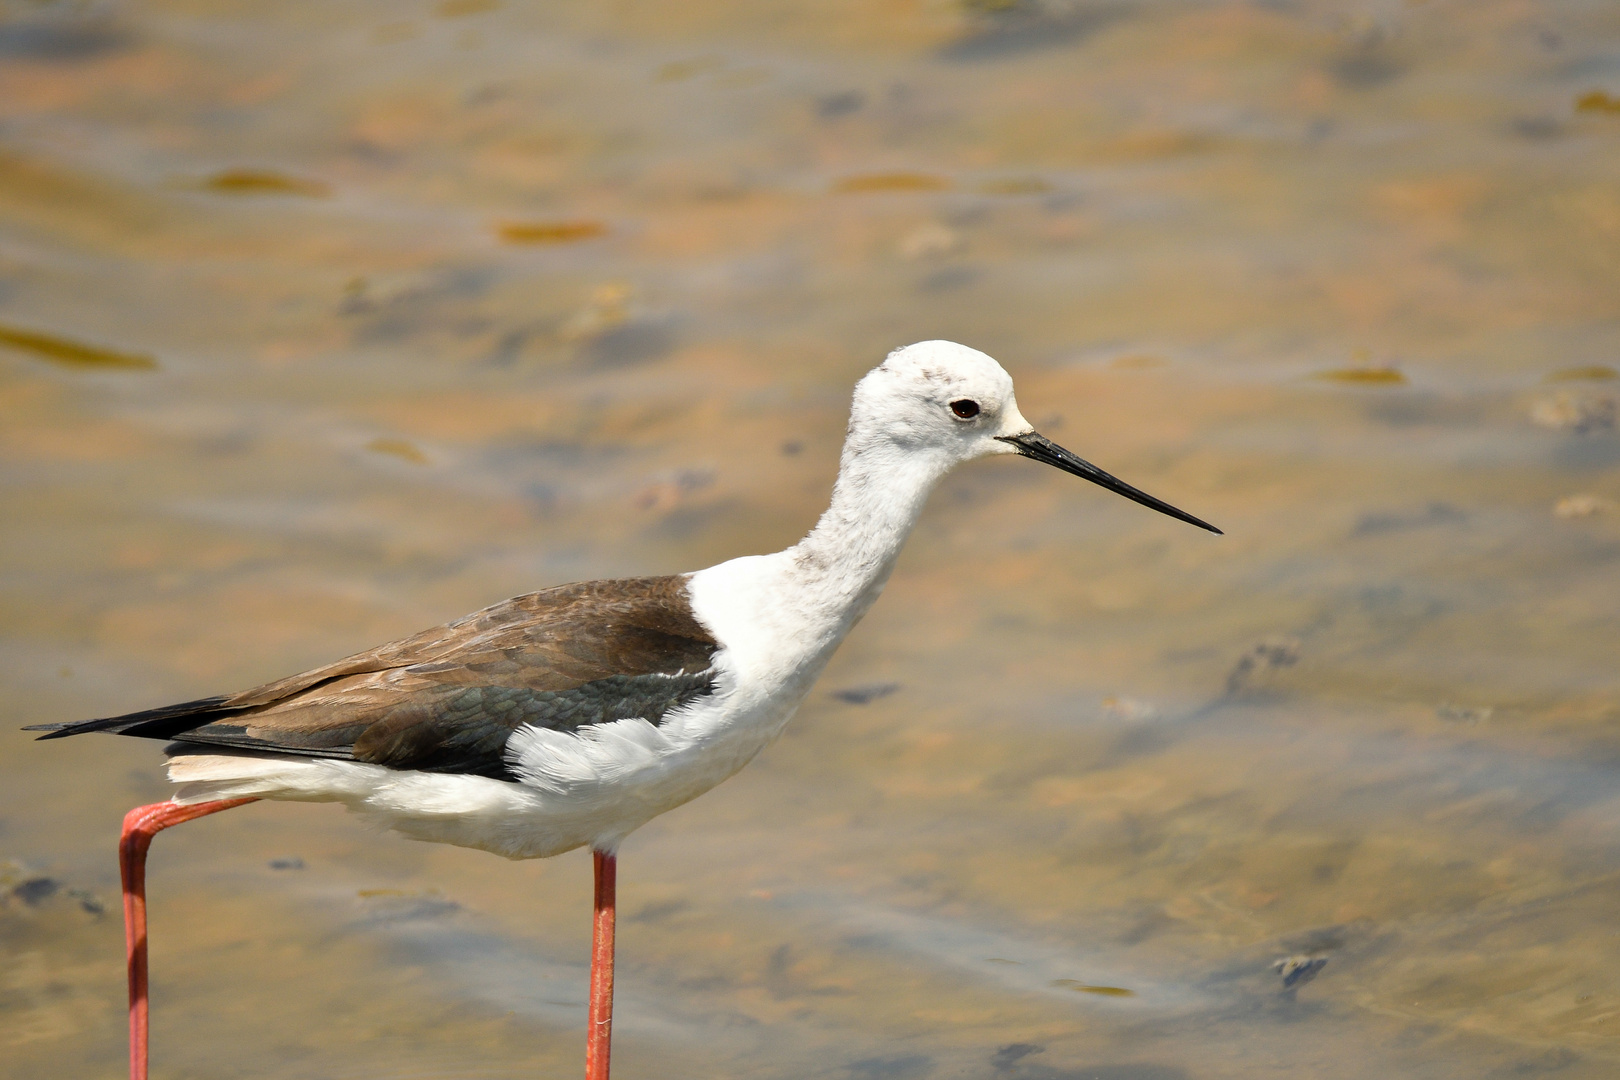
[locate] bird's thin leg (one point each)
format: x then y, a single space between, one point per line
140 825
599 1038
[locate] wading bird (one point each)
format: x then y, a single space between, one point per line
570 717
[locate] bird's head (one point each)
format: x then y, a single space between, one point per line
938 397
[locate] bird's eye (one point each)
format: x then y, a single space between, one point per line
966 409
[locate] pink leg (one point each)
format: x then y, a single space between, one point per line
140 825
599 1038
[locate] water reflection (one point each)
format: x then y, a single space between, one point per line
321 325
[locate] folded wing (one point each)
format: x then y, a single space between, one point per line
449 698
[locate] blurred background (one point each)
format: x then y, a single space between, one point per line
322 323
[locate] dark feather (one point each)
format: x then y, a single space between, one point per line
153 723
449 698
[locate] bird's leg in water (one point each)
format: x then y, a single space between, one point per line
140 825
599 1037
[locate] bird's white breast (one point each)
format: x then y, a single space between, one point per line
611 778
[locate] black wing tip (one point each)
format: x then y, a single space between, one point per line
77 727
151 723
52 731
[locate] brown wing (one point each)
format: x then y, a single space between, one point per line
447 699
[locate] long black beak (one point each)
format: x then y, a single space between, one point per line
1040 448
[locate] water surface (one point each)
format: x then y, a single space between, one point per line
320 324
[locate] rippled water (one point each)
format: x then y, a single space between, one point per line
323 323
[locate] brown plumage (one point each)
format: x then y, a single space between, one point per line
447 699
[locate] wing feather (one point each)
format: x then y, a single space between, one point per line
448 699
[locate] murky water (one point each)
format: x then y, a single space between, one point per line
322 323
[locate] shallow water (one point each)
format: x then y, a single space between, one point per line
320 324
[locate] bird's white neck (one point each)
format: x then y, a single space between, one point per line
842 565
782 616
